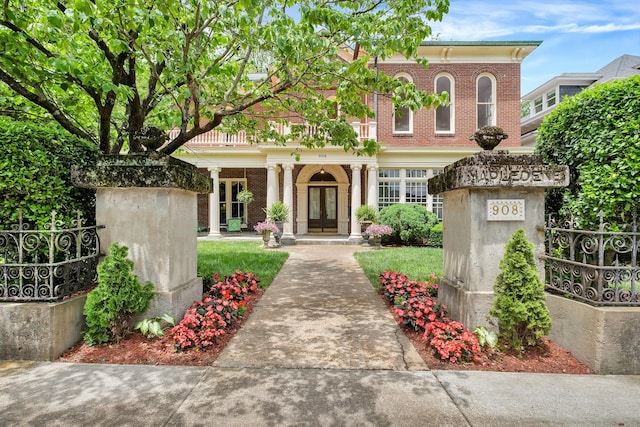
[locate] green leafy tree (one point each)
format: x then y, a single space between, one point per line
117 298
596 133
519 303
35 163
109 70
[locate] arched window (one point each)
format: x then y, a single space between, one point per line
403 117
486 100
334 111
445 114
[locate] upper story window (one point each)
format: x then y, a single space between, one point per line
403 117
486 100
334 110
537 104
444 114
551 98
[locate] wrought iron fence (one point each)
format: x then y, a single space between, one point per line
596 267
50 264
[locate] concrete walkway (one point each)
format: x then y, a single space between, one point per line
319 350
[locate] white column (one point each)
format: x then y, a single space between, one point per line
287 189
272 189
214 205
372 186
355 203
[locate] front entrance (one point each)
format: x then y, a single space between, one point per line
323 209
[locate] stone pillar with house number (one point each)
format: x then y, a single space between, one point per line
487 198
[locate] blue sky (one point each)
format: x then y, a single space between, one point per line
577 36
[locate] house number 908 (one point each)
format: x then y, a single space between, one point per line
505 210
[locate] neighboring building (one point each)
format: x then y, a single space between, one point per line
325 186
543 99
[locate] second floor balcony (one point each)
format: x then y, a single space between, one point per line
215 138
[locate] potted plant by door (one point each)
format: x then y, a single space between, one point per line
277 213
246 197
377 231
366 215
266 228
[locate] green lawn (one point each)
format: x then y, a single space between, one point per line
417 263
229 257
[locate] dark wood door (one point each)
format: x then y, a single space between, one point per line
323 209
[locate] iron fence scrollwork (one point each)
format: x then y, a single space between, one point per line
596 267
48 264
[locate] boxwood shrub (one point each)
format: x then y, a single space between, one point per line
411 223
435 235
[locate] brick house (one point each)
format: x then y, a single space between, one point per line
325 186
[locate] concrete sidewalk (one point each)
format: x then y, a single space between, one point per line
319 350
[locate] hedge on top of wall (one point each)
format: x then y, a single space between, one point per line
35 163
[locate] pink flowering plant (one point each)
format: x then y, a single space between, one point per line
414 302
221 306
378 230
415 305
451 341
261 227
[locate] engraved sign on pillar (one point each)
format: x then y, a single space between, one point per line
505 210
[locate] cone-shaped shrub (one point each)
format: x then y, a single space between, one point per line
519 303
118 297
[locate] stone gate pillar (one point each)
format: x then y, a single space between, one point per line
488 197
149 204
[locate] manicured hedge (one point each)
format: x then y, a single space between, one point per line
35 163
435 235
596 134
411 223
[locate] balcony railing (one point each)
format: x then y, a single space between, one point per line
220 139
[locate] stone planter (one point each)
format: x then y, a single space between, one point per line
266 236
488 137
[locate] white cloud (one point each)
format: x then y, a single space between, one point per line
481 20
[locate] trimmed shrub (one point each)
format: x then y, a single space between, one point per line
519 303
435 235
595 133
411 223
35 163
117 298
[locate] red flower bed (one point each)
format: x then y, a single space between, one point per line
206 320
415 305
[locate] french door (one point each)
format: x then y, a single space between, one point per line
323 209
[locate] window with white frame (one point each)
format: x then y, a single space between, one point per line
551 98
408 186
230 207
403 117
444 114
416 186
437 202
485 100
537 104
388 187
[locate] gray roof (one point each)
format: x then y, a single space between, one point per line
621 67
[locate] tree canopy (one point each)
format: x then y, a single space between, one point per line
106 70
597 134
